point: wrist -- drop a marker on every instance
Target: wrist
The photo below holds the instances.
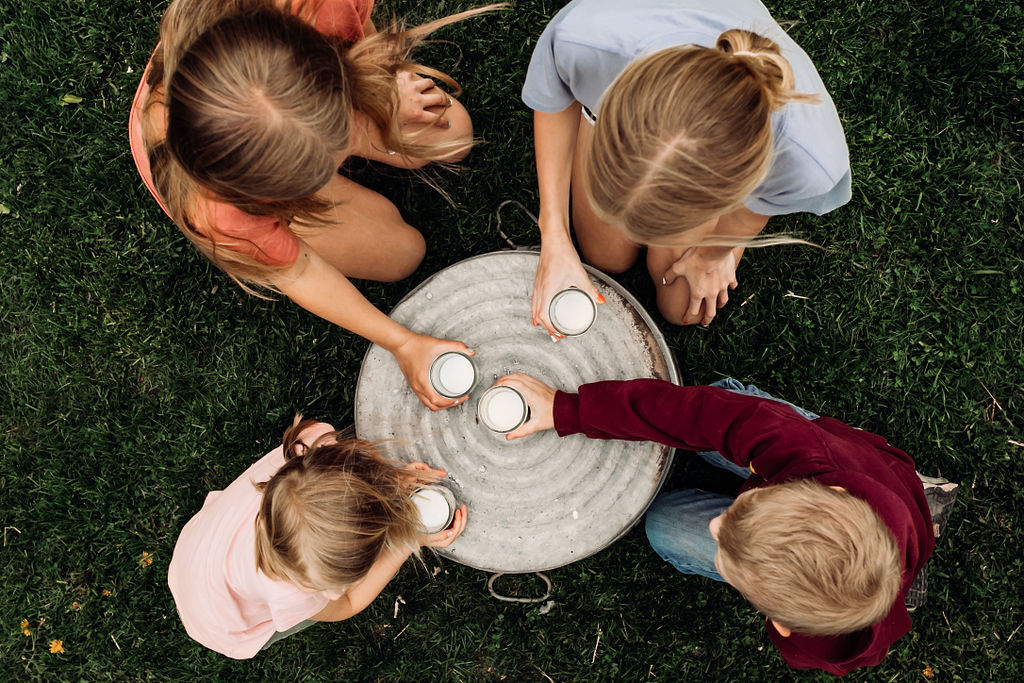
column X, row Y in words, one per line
column 553, row 226
column 395, row 339
column 713, row 254
column 557, row 243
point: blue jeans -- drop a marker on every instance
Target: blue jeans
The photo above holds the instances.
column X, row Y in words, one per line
column 677, row 521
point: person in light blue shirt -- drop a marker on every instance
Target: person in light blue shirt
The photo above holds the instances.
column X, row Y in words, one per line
column 680, row 125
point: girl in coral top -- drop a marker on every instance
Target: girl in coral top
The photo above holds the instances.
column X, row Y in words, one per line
column 243, row 116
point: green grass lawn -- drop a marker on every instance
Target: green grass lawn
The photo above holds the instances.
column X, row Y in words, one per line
column 136, row 377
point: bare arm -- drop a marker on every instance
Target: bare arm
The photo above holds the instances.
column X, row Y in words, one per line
column 554, row 142
column 363, row 592
column 322, row 290
column 360, row 594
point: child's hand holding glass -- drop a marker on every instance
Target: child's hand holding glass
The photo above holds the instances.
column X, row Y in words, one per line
column 539, row 397
column 444, row 538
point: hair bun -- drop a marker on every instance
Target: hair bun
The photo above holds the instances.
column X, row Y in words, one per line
column 764, row 59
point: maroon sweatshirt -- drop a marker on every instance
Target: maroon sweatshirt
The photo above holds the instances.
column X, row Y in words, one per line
column 778, row 445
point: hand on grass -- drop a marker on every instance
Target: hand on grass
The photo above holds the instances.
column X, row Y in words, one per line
column 414, row 357
column 710, row 280
column 539, row 397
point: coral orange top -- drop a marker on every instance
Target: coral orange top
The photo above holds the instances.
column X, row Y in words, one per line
column 265, row 238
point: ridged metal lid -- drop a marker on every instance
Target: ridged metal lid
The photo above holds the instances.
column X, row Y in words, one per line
column 540, row 502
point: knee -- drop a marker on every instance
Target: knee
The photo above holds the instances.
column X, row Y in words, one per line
column 675, row 311
column 407, row 258
column 610, row 264
column 605, row 259
column 673, row 314
column 674, row 302
column 664, row 540
column 661, row 524
column 406, row 246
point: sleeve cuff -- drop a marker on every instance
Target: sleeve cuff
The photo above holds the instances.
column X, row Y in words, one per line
column 566, row 413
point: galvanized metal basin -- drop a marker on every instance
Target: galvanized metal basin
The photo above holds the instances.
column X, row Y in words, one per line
column 540, row 502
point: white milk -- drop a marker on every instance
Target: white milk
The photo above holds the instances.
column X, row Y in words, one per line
column 572, row 312
column 452, row 374
column 502, row 409
column 456, row 374
column 434, row 509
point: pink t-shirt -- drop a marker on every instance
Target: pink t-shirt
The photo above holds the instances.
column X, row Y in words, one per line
column 223, row 600
column 264, row 238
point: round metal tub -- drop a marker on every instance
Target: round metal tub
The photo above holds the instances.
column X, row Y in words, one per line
column 542, row 501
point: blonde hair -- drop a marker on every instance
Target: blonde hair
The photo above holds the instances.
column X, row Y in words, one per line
column 815, row 559
column 684, row 135
column 259, row 110
column 332, row 509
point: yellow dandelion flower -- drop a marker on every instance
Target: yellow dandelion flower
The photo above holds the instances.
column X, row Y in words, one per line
column 145, row 560
column 106, row 593
column 26, row 631
column 56, row 647
column 928, row 672
column 24, row 623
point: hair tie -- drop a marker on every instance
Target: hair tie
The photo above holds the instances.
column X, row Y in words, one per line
column 296, row 451
column 748, row 53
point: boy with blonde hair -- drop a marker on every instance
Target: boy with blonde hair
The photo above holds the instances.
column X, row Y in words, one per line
column 829, row 530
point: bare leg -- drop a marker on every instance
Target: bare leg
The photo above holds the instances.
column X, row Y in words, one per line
column 674, row 299
column 603, row 246
column 367, row 239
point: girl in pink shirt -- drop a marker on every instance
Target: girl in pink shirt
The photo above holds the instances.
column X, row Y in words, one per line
column 245, row 112
column 283, row 545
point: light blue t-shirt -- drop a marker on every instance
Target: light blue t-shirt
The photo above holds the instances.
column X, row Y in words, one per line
column 589, row 42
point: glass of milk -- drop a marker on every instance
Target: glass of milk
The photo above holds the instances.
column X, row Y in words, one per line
column 437, row 505
column 502, row 409
column 572, row 312
column 452, row 374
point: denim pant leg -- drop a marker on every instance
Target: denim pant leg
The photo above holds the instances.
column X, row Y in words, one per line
column 677, row 521
column 677, row 529
column 736, row 386
column 714, row 457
